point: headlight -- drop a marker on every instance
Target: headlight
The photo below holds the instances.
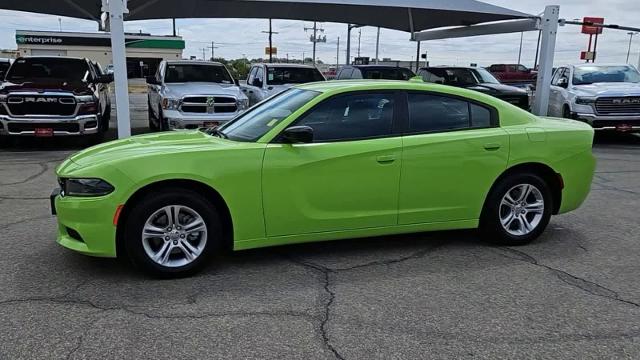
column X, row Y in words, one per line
column 170, row 104
column 85, row 187
column 585, row 100
column 3, row 98
column 85, row 99
column 243, row 104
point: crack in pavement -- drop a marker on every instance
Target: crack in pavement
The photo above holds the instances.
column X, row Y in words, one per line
column 42, row 217
column 587, row 286
column 326, row 272
column 43, row 169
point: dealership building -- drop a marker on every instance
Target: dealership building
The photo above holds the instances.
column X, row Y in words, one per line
column 144, row 51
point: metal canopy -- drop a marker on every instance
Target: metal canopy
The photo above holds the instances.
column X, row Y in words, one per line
column 391, row 14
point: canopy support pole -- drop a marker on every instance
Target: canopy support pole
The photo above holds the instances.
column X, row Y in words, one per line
column 117, row 9
column 547, row 49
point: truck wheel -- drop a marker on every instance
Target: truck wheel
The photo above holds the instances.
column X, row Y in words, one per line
column 566, row 112
column 172, row 233
column 162, row 122
column 152, row 118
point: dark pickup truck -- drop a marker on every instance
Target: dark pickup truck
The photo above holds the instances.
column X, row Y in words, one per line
column 54, row 96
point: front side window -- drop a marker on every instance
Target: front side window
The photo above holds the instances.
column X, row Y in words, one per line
column 387, row 74
column 255, row 123
column 584, row 75
column 179, row 73
column 435, row 113
column 351, row 117
column 292, row 75
column 49, row 68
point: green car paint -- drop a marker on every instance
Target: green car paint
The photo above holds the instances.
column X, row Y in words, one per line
column 280, row 194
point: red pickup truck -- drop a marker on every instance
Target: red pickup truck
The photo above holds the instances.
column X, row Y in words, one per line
column 513, row 73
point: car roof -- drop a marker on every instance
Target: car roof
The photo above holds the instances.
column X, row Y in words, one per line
column 596, row 64
column 287, row 65
column 379, row 66
column 193, row 62
column 51, row 57
column 450, row 67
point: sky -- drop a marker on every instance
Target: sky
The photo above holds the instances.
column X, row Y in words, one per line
column 235, row 38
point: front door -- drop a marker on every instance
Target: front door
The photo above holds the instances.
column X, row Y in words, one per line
column 452, row 154
column 347, row 179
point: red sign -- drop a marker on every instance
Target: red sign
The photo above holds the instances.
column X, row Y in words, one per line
column 592, row 30
column 587, row 55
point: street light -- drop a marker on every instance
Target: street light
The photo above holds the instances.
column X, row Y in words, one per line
column 631, row 34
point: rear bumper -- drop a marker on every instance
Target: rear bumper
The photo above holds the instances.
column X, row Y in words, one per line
column 601, row 122
column 72, row 126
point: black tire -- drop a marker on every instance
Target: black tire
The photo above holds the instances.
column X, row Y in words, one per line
column 153, row 124
column 566, row 112
column 143, row 210
column 162, row 122
column 491, row 227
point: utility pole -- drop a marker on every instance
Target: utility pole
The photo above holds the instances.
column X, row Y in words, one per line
column 203, row 50
column 315, row 39
column 338, row 54
column 631, row 34
column 535, row 62
column 359, row 37
column 213, row 47
column 349, row 28
column 270, row 32
column 174, row 26
column 377, row 44
column 520, row 51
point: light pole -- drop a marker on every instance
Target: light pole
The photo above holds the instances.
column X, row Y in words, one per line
column 631, row 34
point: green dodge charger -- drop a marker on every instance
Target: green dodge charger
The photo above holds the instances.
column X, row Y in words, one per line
column 325, row 161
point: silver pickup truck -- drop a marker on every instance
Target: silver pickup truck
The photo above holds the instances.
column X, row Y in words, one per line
column 192, row 94
column 266, row 80
column 605, row 96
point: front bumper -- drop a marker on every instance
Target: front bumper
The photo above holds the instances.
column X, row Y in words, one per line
column 602, row 122
column 68, row 126
column 179, row 120
column 86, row 225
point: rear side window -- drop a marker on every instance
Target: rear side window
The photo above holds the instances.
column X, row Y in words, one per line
column 435, row 113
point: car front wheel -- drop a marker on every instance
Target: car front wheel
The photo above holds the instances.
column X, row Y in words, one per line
column 517, row 211
column 172, row 234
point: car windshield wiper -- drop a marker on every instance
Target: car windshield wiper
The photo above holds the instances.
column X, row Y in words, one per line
column 215, row 132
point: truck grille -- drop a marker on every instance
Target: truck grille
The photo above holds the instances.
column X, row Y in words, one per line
column 22, row 105
column 208, row 105
column 618, row 105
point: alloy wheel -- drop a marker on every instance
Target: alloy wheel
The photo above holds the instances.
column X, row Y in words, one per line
column 521, row 209
column 174, row 236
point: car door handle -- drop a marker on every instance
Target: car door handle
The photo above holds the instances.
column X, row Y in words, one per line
column 386, row 159
column 492, row 146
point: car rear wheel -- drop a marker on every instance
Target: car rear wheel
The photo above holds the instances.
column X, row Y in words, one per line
column 172, row 234
column 517, row 210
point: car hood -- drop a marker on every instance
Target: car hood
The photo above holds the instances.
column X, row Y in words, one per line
column 42, row 85
column 179, row 90
column 148, row 145
column 608, row 89
column 495, row 89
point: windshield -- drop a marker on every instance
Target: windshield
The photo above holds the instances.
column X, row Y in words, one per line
column 584, row 75
column 459, row 76
column 180, row 73
column 292, row 75
column 387, row 73
column 256, row 122
column 49, row 68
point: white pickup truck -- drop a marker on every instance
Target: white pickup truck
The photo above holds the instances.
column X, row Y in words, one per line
column 266, row 80
column 605, row 96
column 192, row 94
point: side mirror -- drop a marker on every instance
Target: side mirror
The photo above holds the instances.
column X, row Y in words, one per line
column 563, row 83
column 151, row 80
column 257, row 82
column 298, row 135
column 236, row 81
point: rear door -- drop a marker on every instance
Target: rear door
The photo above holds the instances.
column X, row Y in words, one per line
column 347, row 179
column 453, row 151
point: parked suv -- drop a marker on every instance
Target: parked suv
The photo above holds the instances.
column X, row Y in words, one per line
column 54, row 96
column 477, row 79
column 513, row 73
column 266, row 80
column 605, row 96
column 188, row 94
column 384, row 72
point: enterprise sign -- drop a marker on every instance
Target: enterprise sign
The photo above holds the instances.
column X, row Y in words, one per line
column 97, row 41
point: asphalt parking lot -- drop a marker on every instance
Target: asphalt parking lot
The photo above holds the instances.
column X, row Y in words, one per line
column 574, row 293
